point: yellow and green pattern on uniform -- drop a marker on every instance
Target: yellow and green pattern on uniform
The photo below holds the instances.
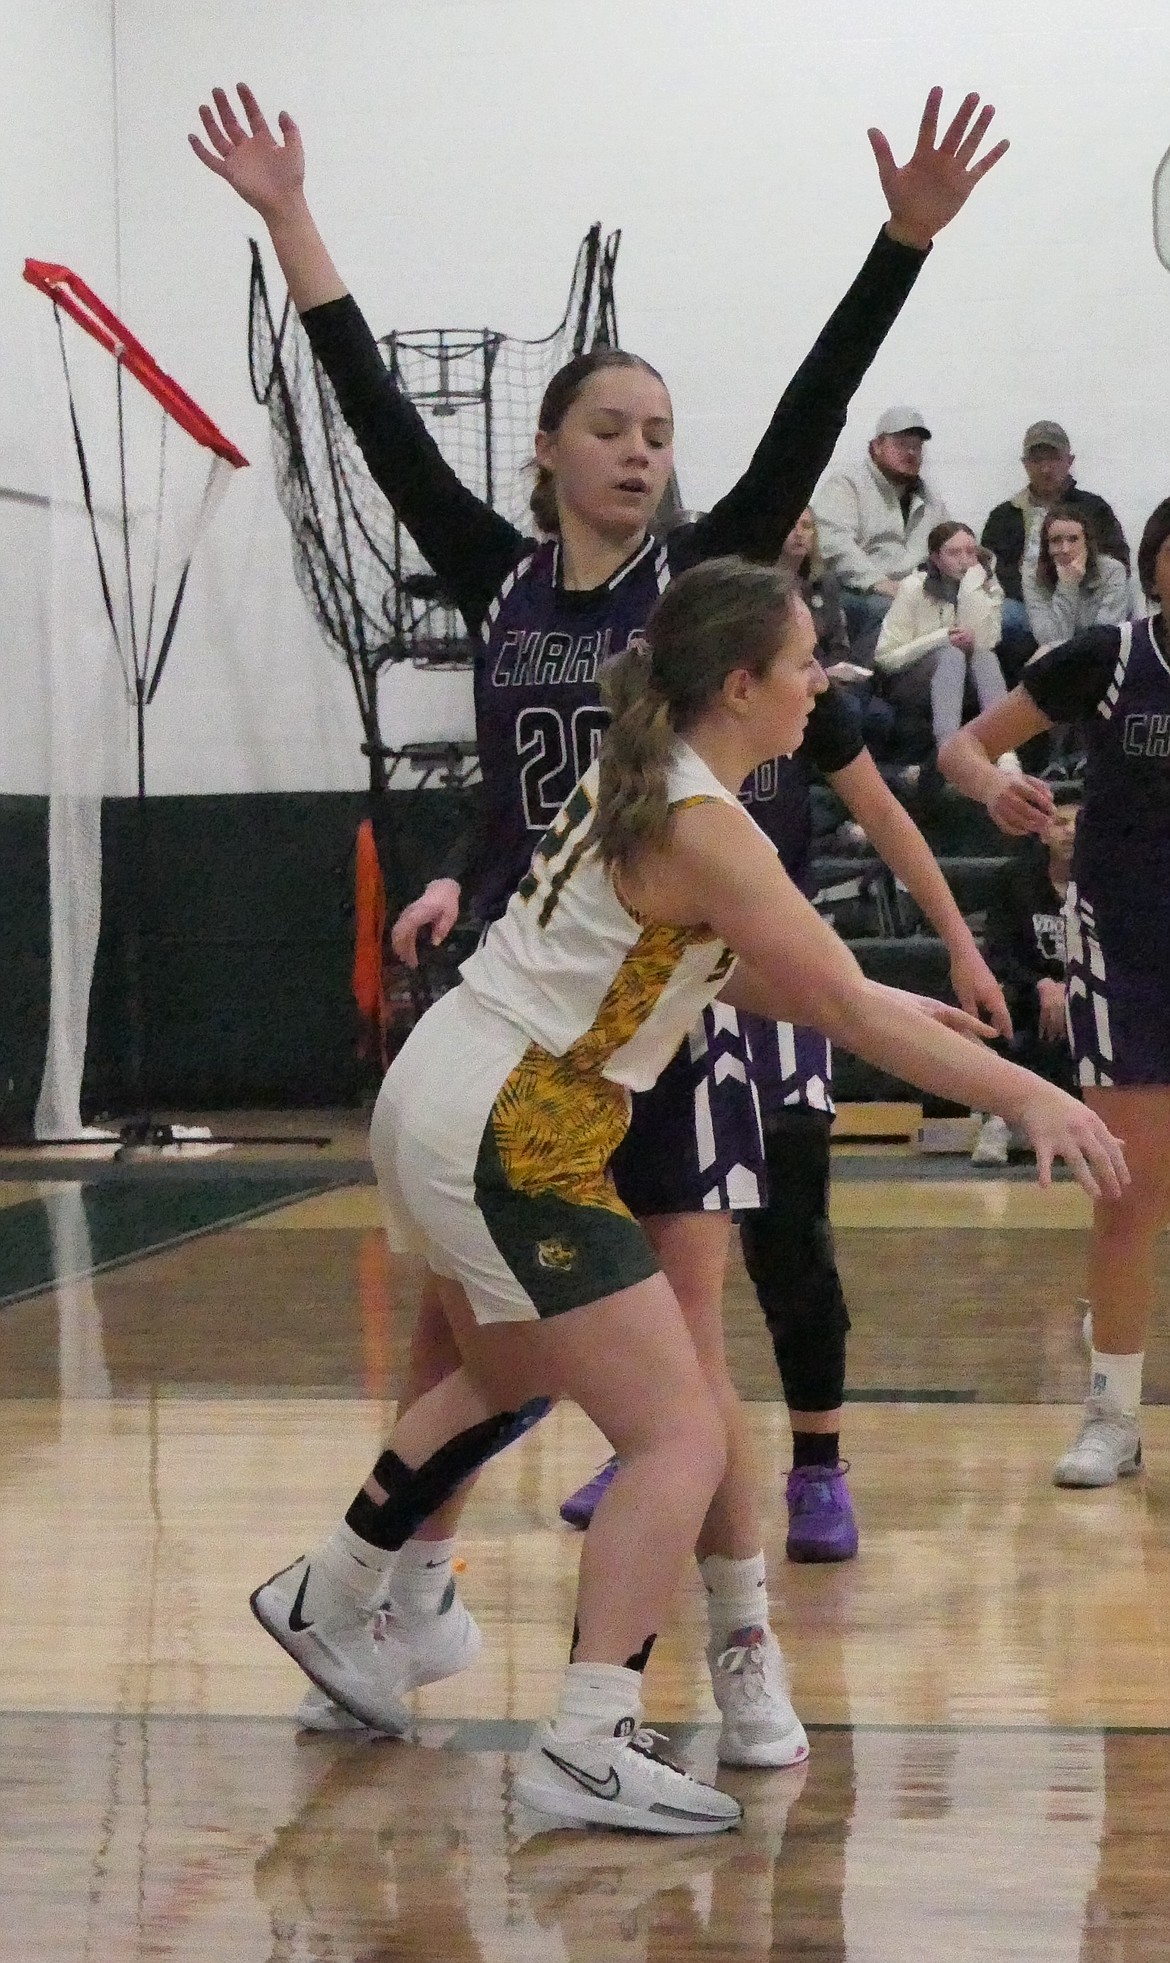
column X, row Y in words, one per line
column 542, row 1179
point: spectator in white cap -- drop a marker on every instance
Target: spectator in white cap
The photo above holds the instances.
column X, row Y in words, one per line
column 875, row 520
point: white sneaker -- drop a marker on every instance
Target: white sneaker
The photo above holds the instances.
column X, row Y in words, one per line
column 335, row 1647
column 436, row 1646
column 1109, row 1448
column 750, row 1683
column 619, row 1781
column 991, row 1146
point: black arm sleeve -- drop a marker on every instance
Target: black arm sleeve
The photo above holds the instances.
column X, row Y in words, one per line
column 833, row 733
column 759, row 511
column 1068, row 681
column 470, row 546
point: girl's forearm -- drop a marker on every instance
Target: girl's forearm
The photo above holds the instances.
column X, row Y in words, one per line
column 875, row 1024
column 311, row 275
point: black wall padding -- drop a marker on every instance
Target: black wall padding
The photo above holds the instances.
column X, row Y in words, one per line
column 247, row 945
column 247, row 948
column 24, row 958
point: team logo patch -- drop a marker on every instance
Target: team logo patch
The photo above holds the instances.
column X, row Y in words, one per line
column 559, row 1256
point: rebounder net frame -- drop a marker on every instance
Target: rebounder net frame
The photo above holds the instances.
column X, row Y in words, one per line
column 141, row 627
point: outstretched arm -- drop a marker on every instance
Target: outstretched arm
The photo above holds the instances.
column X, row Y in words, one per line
column 923, row 196
column 468, row 544
column 719, row 869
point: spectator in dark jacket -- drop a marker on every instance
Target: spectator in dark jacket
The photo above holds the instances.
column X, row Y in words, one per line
column 1014, row 526
column 1012, row 531
column 1025, row 950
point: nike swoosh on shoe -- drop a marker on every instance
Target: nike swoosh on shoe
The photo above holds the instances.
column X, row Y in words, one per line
column 607, row 1788
column 296, row 1621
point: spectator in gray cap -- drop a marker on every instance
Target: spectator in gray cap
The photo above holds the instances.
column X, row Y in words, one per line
column 874, row 522
column 1012, row 531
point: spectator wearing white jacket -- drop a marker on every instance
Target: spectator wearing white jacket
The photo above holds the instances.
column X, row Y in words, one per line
column 1073, row 586
column 943, row 624
column 875, row 520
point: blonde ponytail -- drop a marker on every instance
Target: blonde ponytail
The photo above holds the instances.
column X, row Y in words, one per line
column 632, row 803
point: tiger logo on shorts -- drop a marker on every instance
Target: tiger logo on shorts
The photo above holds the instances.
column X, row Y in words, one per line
column 559, row 1255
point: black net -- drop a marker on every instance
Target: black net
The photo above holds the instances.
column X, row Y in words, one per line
column 374, row 596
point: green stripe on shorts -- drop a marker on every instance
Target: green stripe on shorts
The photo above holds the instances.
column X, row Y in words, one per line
column 563, row 1254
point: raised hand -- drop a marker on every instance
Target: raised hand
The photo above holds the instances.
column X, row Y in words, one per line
column 925, row 193
column 268, row 174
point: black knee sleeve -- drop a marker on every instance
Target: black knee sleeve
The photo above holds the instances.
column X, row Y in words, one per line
column 789, row 1254
column 413, row 1493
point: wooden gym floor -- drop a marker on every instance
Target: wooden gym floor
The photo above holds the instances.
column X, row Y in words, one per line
column 196, row 1364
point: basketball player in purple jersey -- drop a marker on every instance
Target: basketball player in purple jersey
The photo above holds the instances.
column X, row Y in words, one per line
column 546, row 613
column 788, row 1242
column 1115, row 682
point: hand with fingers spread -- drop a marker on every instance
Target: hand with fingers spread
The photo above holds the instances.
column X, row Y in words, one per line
column 929, row 190
column 1019, row 805
column 268, row 174
column 1058, row 1127
column 435, row 911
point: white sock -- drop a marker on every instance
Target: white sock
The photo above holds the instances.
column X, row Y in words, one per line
column 421, row 1576
column 595, row 1697
column 737, row 1594
column 349, row 1567
column 1116, row 1381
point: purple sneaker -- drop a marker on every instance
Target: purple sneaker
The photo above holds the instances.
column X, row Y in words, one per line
column 579, row 1508
column 821, row 1526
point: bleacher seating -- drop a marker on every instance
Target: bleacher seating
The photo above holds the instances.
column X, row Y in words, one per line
column 883, row 925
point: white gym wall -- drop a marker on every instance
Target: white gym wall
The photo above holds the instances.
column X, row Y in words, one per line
column 457, row 151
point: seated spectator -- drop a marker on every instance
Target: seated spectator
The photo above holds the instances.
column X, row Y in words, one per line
column 1012, row 531
column 874, row 523
column 1026, row 951
column 942, row 626
column 1073, row 586
column 801, row 550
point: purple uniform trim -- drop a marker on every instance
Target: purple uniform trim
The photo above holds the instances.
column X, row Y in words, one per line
column 1117, row 910
column 694, row 1143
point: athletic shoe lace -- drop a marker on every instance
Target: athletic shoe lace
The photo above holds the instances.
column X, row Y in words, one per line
column 818, row 1485
column 642, row 1739
column 383, row 1623
column 1104, row 1432
column 749, row 1663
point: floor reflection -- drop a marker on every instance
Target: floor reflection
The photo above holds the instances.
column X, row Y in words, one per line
column 191, row 1839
